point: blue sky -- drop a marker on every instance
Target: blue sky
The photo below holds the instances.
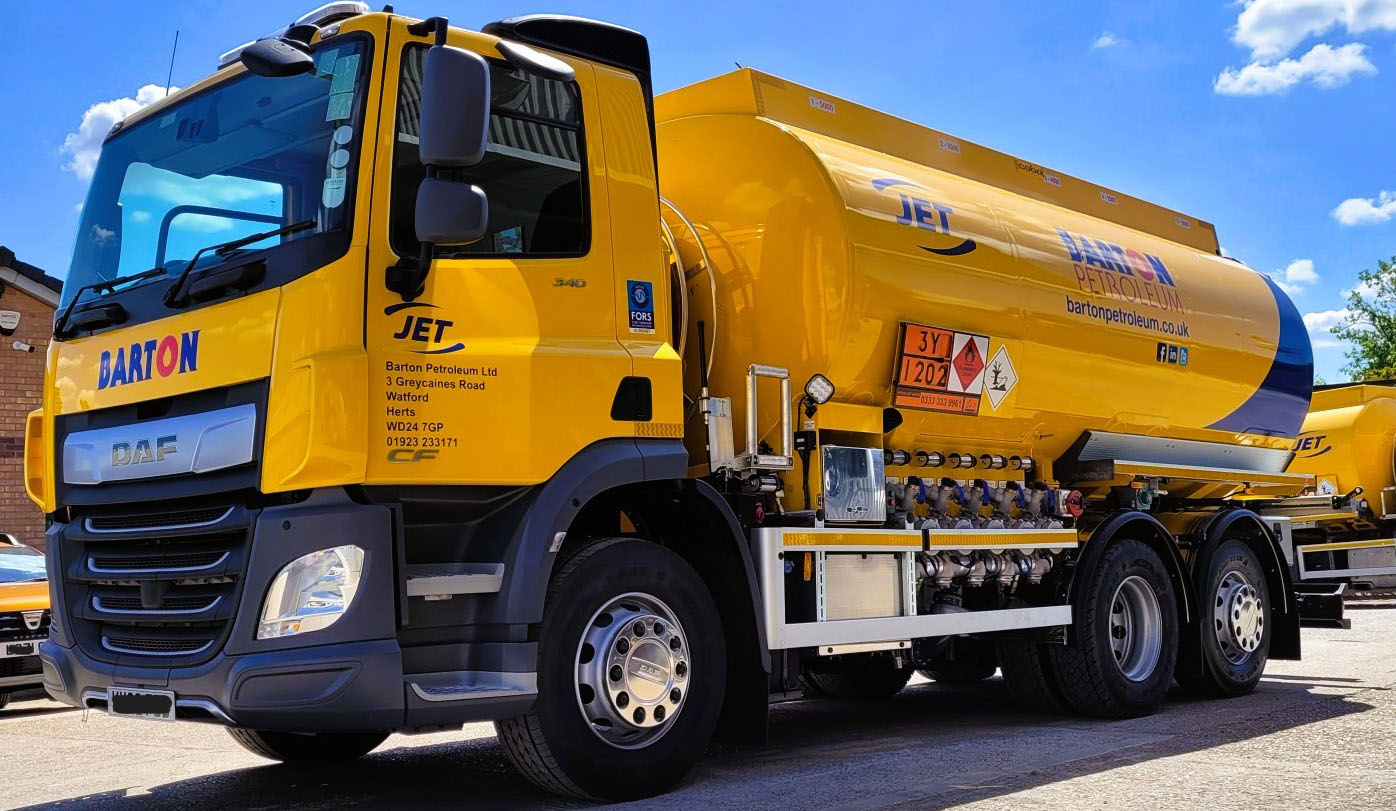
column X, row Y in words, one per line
column 1270, row 118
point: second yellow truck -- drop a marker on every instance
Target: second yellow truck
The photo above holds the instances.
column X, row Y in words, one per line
column 409, row 376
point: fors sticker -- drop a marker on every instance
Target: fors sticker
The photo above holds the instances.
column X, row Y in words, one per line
column 640, row 297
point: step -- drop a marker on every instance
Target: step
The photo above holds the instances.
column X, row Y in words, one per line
column 439, row 581
column 463, row 685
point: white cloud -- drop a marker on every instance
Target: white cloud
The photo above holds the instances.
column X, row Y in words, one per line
column 1320, row 326
column 1323, row 65
column 82, row 146
column 1273, row 28
column 140, row 216
column 1296, row 275
column 1105, row 40
column 1366, row 210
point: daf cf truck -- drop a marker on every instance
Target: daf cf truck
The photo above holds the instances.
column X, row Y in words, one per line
column 408, row 376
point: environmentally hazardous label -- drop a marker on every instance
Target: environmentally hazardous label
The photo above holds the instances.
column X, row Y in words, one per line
column 1000, row 377
column 640, row 297
column 940, row 370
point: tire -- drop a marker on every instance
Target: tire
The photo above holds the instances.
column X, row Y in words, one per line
column 1028, row 675
column 970, row 660
column 4, row 699
column 619, row 747
column 1234, row 616
column 871, row 683
column 1119, row 662
column 308, row 749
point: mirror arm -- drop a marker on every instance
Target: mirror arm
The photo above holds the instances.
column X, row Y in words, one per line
column 431, row 25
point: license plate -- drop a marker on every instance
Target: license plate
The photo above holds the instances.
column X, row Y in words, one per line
column 21, row 649
column 129, row 703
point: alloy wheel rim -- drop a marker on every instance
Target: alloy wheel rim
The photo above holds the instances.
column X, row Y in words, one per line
column 632, row 670
column 1136, row 628
column 1238, row 617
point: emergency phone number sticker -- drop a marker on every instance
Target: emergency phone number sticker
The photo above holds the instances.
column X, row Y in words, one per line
column 940, row 370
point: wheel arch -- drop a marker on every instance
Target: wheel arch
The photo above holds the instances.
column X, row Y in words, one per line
column 1140, row 526
column 692, row 519
column 647, row 481
column 1246, row 526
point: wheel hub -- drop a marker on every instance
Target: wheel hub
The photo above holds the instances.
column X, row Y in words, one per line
column 1238, row 617
column 632, row 671
column 1136, row 628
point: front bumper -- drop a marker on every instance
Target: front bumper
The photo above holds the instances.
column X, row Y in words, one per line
column 350, row 676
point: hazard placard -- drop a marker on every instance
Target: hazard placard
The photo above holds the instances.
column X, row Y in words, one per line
column 940, row 369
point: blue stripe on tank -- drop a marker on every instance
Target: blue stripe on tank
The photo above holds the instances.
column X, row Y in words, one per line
column 1278, row 406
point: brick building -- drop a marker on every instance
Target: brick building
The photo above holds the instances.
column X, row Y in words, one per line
column 33, row 294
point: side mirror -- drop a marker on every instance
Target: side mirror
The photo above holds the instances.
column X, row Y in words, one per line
column 450, row 213
column 455, row 117
column 453, row 131
column 276, row 57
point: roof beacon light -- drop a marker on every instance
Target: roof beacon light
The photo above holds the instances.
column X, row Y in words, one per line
column 328, row 13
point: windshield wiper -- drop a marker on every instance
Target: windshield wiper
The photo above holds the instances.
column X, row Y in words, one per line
column 175, row 295
column 108, row 314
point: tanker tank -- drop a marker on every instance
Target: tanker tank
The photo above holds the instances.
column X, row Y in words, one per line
column 1001, row 307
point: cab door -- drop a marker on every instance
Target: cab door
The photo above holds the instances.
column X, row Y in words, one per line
column 509, row 362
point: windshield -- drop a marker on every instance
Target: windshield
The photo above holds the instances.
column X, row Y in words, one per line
column 245, row 157
column 20, row 564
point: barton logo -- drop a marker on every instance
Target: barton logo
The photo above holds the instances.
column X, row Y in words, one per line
column 158, row 357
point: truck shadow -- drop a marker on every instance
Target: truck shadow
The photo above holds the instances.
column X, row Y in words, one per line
column 933, row 745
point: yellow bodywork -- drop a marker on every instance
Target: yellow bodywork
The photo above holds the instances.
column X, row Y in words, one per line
column 1349, row 441
column 23, row 596
column 801, row 200
column 541, row 361
column 789, row 190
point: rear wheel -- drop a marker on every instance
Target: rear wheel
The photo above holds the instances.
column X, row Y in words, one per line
column 4, row 699
column 1235, row 637
column 1027, row 672
column 1119, row 663
column 308, row 749
column 877, row 680
column 631, row 673
column 968, row 660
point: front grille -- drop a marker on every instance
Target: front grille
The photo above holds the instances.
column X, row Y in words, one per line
column 155, row 645
column 14, row 628
column 170, row 559
column 173, row 519
column 110, row 604
column 164, row 588
column 20, row 666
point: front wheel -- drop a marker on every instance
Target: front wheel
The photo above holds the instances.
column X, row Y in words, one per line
column 631, row 674
column 308, row 749
column 1235, row 636
column 1119, row 663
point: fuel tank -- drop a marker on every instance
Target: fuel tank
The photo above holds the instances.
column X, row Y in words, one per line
column 1348, row 440
column 998, row 305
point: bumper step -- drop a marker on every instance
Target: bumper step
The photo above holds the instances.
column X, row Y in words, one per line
column 439, row 581
column 461, row 685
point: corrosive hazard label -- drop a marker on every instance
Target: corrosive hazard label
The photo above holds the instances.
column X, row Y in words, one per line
column 940, row 370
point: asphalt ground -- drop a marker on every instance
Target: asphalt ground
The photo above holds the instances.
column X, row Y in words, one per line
column 1316, row 734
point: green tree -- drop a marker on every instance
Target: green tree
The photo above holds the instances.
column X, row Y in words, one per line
column 1370, row 325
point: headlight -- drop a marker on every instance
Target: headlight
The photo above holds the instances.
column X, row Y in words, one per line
column 311, row 592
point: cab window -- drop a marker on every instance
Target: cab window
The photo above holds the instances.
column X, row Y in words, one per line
column 532, row 171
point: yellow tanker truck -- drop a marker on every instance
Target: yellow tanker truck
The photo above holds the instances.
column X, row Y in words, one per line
column 408, row 376
column 1344, row 527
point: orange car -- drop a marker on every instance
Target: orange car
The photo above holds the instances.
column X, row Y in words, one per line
column 24, row 617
